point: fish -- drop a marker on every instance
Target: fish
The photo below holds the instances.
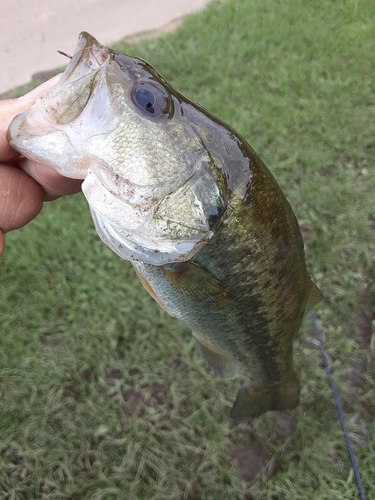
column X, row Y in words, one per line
column 185, row 199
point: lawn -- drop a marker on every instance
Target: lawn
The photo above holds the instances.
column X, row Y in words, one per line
column 103, row 395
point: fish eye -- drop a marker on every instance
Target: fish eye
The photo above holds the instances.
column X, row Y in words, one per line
column 146, row 99
column 151, row 99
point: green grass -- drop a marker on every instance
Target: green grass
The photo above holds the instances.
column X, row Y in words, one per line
column 103, row 396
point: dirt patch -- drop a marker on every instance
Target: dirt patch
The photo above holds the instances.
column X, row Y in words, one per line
column 113, row 374
column 363, row 329
column 354, row 378
column 148, row 396
column 284, row 424
column 252, row 459
column 134, row 397
column 365, row 315
column 361, row 364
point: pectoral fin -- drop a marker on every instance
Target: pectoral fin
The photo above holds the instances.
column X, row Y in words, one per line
column 149, row 288
column 197, row 285
column 222, row 365
column 252, row 401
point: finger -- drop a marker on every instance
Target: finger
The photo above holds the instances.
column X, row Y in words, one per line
column 9, row 108
column 53, row 184
column 21, row 198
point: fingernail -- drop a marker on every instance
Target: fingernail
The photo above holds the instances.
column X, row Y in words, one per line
column 41, row 88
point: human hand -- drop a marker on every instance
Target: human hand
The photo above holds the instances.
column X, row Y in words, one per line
column 25, row 184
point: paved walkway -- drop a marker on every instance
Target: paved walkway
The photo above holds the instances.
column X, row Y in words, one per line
column 32, row 32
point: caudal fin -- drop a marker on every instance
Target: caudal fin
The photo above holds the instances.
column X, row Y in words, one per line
column 253, row 401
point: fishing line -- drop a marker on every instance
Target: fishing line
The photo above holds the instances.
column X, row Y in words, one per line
column 338, row 406
column 64, row 54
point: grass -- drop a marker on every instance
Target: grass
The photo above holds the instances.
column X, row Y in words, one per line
column 103, row 396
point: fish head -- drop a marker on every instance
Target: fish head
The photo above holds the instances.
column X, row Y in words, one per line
column 154, row 190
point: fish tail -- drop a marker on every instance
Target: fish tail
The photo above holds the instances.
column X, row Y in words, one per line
column 252, row 401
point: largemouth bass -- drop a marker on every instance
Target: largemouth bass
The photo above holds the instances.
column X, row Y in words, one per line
column 189, row 203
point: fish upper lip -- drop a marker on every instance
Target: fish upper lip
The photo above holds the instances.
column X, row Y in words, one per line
column 88, row 57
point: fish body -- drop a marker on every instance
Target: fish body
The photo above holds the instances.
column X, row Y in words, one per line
column 189, row 203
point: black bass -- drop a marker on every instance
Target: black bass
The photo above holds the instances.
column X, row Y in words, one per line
column 189, row 203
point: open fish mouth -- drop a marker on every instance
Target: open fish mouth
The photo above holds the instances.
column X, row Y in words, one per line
column 61, row 119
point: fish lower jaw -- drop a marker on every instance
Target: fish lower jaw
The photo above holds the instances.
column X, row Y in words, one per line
column 54, row 149
column 136, row 247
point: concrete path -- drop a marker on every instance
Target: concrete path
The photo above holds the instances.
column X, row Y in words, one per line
column 32, row 31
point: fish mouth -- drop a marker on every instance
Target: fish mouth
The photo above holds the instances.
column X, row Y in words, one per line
column 85, row 71
column 57, row 110
column 62, row 104
column 88, row 57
